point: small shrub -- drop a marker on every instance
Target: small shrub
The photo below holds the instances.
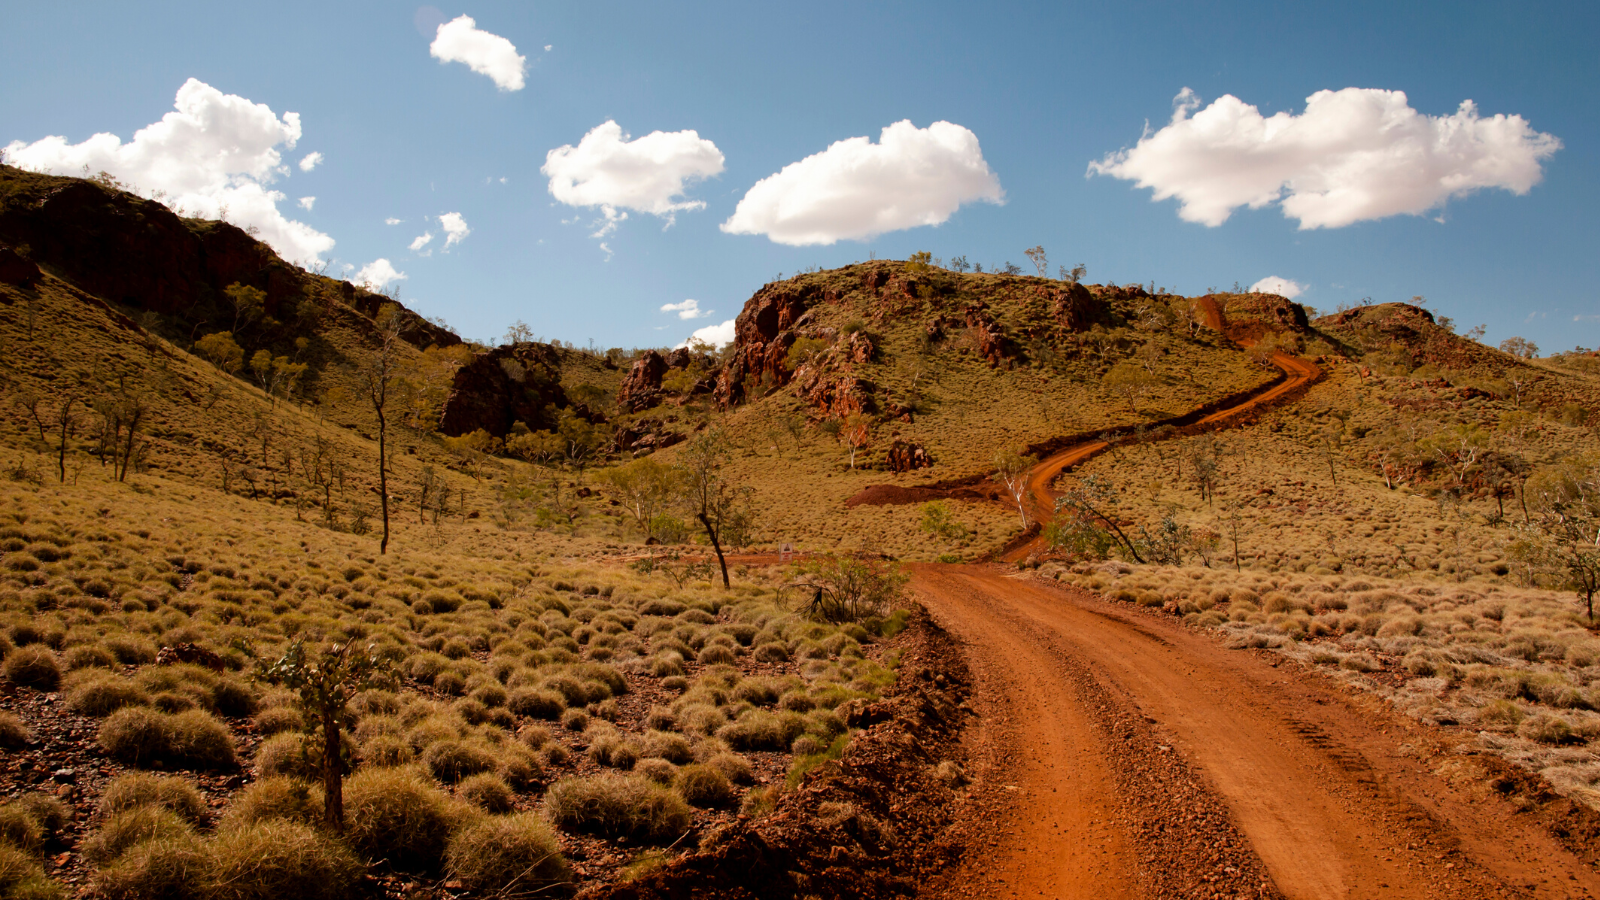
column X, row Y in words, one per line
column 32, row 666
column 395, row 815
column 51, row 814
column 536, row 703
column 575, row 720
column 387, row 750
column 705, row 786
column 276, row 719
column 508, row 856
column 717, row 655
column 100, row 697
column 13, row 734
column 761, row 730
column 614, row 805
column 734, row 767
column 1500, row 712
column 137, row 789
column 130, row 828
column 671, row 747
column 774, row 652
column 487, row 791
column 658, row 770
column 277, row 858
column 142, row 736
column 284, row 754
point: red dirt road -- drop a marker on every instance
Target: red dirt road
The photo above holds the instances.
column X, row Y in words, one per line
column 1132, row 757
column 1042, row 497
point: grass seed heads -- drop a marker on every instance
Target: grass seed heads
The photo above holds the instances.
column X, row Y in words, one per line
column 508, row 856
column 616, row 805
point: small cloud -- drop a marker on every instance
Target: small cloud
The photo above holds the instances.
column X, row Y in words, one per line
column 547, row 47
column 310, row 161
column 688, row 309
column 857, row 190
column 455, row 229
column 648, row 175
column 392, row 221
column 421, row 241
column 378, row 274
column 715, row 335
column 460, row 40
column 1283, row 287
column 307, row 202
column 1583, row 318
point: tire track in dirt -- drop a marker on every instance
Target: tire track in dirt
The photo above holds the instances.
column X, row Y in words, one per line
column 1148, row 761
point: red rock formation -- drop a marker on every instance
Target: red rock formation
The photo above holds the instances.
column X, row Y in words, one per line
column 138, row 253
column 905, row 457
column 993, row 345
column 837, row 397
column 1076, row 309
column 859, row 348
column 487, row 394
column 642, row 388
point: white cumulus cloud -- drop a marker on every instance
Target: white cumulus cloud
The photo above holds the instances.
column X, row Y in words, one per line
column 421, row 240
column 1284, row 287
column 310, row 160
column 648, row 175
column 306, row 203
column 214, row 157
column 1353, row 155
column 455, row 229
column 715, row 335
column 460, row 40
column 856, row 190
column 378, row 274
column 688, row 309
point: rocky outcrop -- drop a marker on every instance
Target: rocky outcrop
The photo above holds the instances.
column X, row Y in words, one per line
column 993, row 344
column 642, row 388
column 763, row 333
column 839, row 396
column 906, row 457
column 1076, row 309
column 504, row 386
column 15, row 269
column 138, row 253
column 643, row 436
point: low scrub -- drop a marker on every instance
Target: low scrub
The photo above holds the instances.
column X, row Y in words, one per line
column 143, row 737
column 398, row 816
column 508, row 856
column 613, row 805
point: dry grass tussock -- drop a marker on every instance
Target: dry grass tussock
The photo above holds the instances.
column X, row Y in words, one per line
column 686, row 688
column 1517, row 665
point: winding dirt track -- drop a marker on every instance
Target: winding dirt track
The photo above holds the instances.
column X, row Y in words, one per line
column 1135, row 758
column 1042, row 498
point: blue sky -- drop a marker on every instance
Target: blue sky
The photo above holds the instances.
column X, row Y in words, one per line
column 1044, row 89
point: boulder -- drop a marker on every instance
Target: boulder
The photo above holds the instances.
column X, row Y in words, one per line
column 906, row 457
column 642, row 388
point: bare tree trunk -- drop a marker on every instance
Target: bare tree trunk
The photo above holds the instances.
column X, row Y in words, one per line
column 715, row 545
column 332, row 773
column 383, row 479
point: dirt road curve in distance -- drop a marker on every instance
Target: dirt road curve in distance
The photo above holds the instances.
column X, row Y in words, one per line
column 1133, row 757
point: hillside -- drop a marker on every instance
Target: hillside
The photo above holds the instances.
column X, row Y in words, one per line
column 1356, row 498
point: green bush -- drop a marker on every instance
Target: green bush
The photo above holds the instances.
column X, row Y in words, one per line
column 32, row 666
column 137, row 789
column 398, row 816
column 508, row 856
column 614, row 805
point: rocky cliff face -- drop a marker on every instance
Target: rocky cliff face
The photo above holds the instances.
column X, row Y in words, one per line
column 504, row 386
column 138, row 253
